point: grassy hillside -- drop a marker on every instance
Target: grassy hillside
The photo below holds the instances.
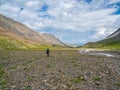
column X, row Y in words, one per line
column 111, row 42
column 112, row 45
column 105, row 44
column 11, row 43
column 20, row 31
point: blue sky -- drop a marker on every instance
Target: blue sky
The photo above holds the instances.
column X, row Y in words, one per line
column 72, row 21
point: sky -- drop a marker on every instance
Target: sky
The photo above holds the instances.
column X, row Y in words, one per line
column 72, row 21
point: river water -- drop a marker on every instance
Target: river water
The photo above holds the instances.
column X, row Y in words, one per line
column 114, row 54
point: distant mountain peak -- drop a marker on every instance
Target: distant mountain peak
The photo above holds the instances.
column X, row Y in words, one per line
column 52, row 39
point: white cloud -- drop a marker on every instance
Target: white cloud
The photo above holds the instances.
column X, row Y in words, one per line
column 9, row 9
column 101, row 32
column 113, row 1
column 34, row 5
column 76, row 16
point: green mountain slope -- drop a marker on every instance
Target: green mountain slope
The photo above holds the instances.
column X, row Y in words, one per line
column 11, row 43
column 15, row 35
column 111, row 42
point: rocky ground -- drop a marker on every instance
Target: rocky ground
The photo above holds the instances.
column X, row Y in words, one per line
column 63, row 70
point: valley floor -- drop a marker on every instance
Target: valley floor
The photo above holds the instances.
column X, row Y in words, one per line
column 63, row 70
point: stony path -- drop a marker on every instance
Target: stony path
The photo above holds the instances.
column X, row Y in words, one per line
column 63, row 70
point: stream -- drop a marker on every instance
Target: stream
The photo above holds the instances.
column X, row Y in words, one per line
column 113, row 54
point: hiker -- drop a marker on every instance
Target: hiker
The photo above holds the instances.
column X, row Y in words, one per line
column 47, row 52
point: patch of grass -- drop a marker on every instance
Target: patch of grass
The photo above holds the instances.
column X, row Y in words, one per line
column 29, row 78
column 81, row 68
column 9, row 43
column 114, row 44
column 29, row 61
column 118, row 84
column 2, row 72
column 42, row 47
column 25, row 68
column 78, row 79
column 69, row 85
column 48, row 65
column 76, row 65
column 3, row 83
column 4, row 57
column 97, row 79
column 96, row 63
column 27, row 87
column 73, row 61
column 13, row 68
column 1, row 65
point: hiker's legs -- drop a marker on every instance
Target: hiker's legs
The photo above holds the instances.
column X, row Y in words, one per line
column 47, row 54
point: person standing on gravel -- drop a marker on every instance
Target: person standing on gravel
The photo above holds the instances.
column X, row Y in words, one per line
column 47, row 52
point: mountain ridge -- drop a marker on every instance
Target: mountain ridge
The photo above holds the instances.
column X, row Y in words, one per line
column 115, row 35
column 21, row 32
